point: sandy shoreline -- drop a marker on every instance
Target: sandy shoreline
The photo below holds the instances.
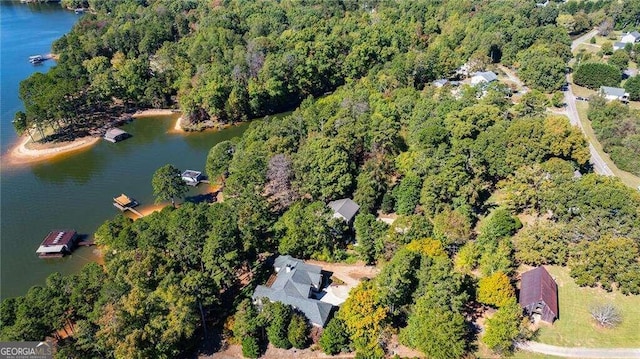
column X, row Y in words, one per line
column 21, row 154
column 177, row 128
column 154, row 112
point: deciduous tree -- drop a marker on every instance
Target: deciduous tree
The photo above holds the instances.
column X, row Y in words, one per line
column 168, row 184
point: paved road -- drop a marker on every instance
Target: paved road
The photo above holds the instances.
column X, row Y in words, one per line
column 584, row 38
column 599, row 166
column 579, row 352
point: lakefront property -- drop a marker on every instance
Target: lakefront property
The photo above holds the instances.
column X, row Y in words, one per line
column 388, row 178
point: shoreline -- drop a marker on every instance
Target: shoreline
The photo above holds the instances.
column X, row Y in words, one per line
column 152, row 112
column 20, row 154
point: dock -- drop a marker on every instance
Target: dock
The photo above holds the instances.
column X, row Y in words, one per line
column 193, row 177
column 38, row 59
column 125, row 203
column 58, row 243
column 115, row 134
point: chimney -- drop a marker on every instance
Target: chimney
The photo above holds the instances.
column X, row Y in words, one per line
column 288, row 268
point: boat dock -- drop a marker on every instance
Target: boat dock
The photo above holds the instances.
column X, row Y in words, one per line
column 124, row 203
column 58, row 243
column 115, row 134
column 38, row 59
column 193, row 178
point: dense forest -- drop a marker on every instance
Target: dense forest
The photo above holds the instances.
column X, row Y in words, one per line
column 236, row 60
column 457, row 167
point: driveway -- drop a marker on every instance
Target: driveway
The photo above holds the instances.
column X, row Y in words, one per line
column 579, row 352
column 350, row 274
column 584, row 38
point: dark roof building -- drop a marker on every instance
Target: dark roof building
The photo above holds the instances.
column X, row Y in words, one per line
column 539, row 294
column 296, row 283
column 57, row 243
column 344, row 208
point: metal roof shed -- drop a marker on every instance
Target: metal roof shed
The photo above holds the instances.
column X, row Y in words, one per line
column 539, row 294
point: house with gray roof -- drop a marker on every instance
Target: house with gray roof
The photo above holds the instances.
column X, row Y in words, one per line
column 614, row 93
column 296, row 284
column 618, row 46
column 483, row 77
column 344, row 208
column 630, row 37
column 440, row 82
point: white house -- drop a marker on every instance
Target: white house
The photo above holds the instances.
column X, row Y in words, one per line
column 630, row 37
column 483, row 77
column 614, row 93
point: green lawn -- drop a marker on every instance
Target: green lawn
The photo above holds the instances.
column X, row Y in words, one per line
column 626, row 177
column 575, row 327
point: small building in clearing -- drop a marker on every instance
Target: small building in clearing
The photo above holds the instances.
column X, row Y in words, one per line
column 614, row 93
column 619, row 46
column 483, row 77
column 57, row 243
column 630, row 37
column 344, row 208
column 115, row 134
column 539, row 294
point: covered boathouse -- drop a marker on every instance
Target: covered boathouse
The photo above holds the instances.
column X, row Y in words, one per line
column 57, row 243
column 539, row 295
column 124, row 202
column 115, row 134
column 191, row 177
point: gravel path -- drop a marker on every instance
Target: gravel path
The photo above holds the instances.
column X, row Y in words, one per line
column 579, row 352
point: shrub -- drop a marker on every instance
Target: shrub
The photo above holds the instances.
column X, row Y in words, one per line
column 606, row 315
column 250, row 347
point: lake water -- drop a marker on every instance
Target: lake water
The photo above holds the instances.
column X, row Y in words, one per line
column 74, row 191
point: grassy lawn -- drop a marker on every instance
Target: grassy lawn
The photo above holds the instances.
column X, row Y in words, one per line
column 581, row 91
column 626, row 177
column 587, row 47
column 575, row 327
column 602, row 39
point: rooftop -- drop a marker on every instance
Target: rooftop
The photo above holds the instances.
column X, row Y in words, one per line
column 59, row 237
column 123, row 200
column 613, row 91
column 634, row 34
column 537, row 285
column 293, row 285
column 114, row 132
column 57, row 241
column 191, row 174
column 487, row 75
column 345, row 208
